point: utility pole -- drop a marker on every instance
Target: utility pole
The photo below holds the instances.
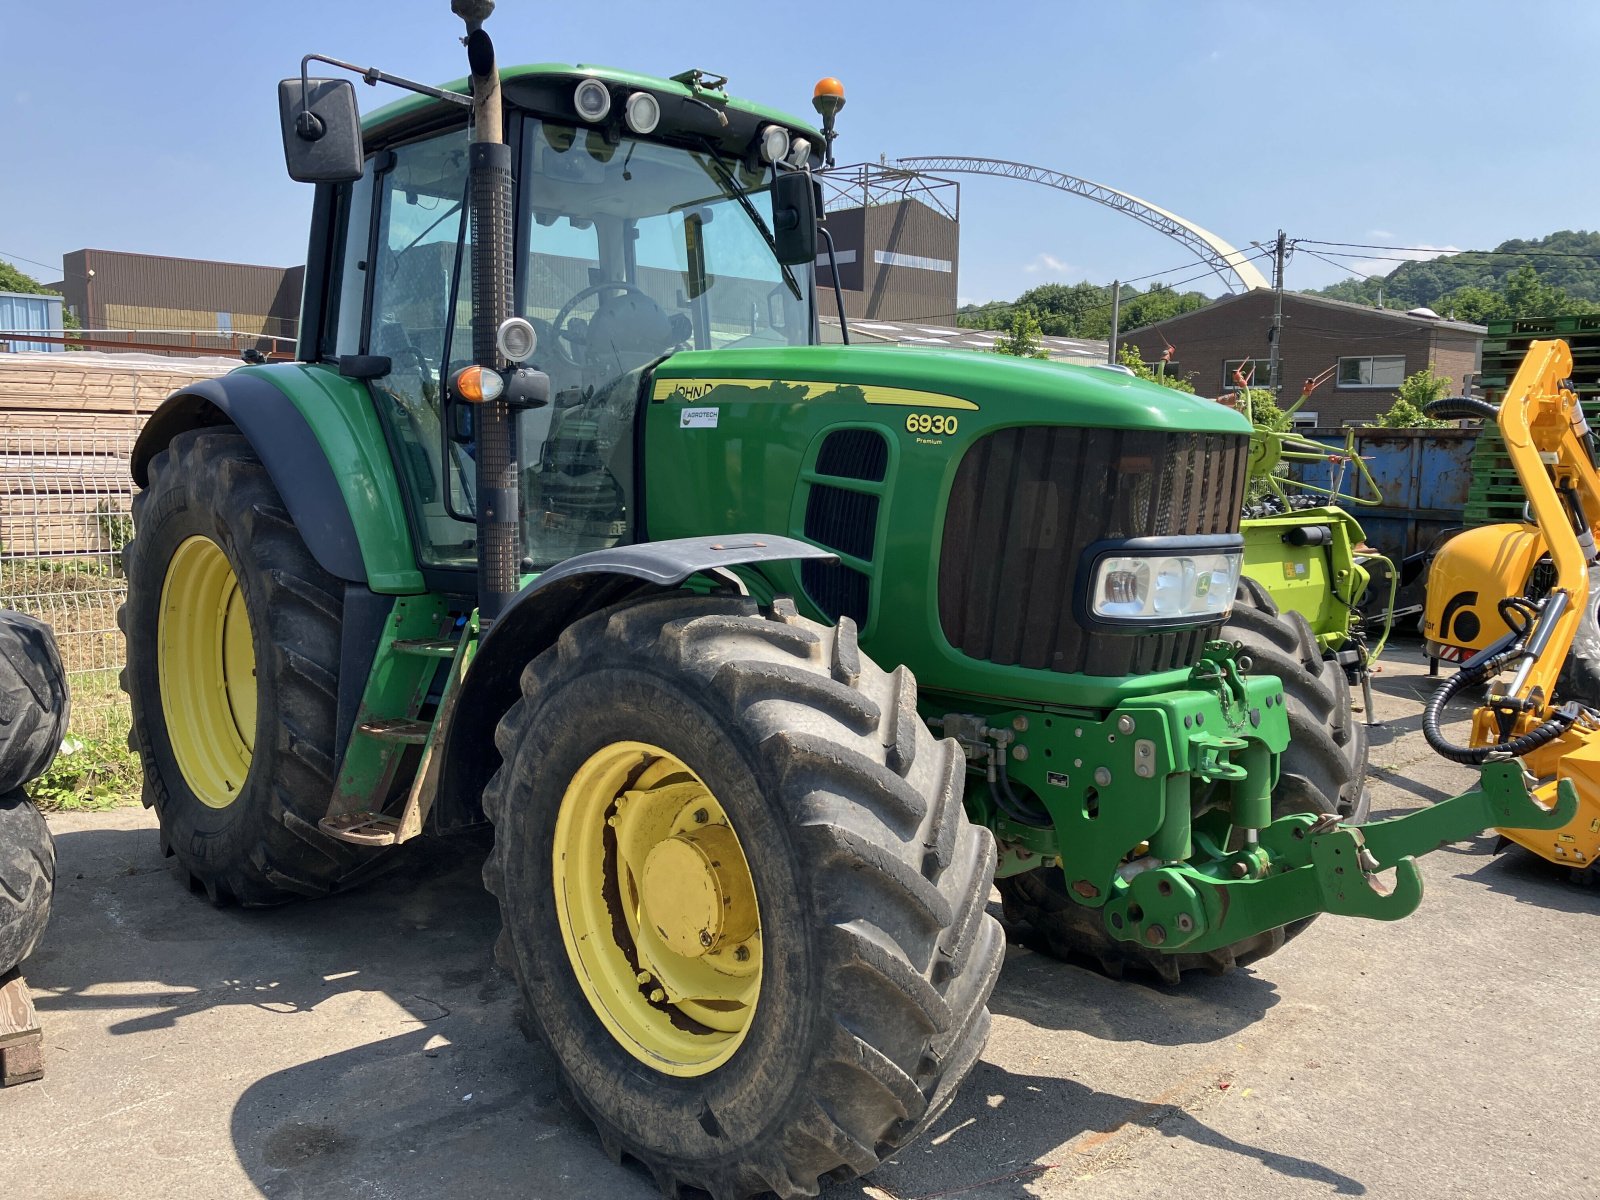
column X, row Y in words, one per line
column 1277, row 314
column 1116, row 312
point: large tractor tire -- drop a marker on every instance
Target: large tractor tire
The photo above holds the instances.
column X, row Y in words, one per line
column 34, row 703
column 27, row 877
column 1323, row 771
column 741, row 898
column 233, row 635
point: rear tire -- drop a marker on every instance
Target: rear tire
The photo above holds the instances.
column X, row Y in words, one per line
column 875, row 954
column 245, row 830
column 27, row 877
column 1323, row 771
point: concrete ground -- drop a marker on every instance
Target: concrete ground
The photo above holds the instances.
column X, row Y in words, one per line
column 366, row 1046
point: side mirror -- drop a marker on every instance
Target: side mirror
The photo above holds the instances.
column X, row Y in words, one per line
column 322, row 135
column 794, row 218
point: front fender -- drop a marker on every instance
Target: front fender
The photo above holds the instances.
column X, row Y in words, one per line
column 534, row 619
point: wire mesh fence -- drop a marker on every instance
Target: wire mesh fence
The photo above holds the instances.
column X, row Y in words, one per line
column 67, row 428
column 65, row 501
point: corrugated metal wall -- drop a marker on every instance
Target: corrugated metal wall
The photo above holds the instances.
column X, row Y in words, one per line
column 111, row 289
column 897, row 262
column 21, row 311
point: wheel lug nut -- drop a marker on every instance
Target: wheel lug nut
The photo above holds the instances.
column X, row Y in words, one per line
column 657, row 996
column 701, row 816
column 642, row 977
column 742, row 954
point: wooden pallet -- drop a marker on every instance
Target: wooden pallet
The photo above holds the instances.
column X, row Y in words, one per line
column 21, row 1040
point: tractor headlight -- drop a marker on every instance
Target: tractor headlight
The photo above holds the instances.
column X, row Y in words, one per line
column 1153, row 582
column 592, row 99
column 774, row 143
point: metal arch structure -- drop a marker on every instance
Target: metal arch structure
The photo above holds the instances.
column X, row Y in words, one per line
column 1230, row 263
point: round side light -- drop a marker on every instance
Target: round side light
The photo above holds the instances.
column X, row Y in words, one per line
column 516, row 339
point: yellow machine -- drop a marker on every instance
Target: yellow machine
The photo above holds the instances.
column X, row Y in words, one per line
column 1539, row 715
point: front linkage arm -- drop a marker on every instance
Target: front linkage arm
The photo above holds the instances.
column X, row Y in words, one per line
column 1301, row 867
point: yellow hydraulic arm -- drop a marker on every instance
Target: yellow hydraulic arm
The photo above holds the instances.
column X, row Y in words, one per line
column 1547, row 439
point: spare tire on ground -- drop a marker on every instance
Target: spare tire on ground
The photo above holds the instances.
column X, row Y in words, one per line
column 27, row 877
column 34, row 705
column 33, row 720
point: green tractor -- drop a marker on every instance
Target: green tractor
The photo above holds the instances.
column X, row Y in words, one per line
column 562, row 519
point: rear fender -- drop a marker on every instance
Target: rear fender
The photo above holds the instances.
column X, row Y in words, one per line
column 319, row 439
column 534, row 619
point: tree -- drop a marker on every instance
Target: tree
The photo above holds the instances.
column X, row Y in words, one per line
column 1478, row 305
column 1416, row 392
column 1128, row 356
column 1022, row 339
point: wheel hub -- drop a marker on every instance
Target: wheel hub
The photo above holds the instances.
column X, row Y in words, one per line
column 693, row 894
column 657, row 908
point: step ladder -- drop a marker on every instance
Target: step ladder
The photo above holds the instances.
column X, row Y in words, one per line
column 388, row 724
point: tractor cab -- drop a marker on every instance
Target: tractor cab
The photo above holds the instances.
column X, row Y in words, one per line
column 636, row 232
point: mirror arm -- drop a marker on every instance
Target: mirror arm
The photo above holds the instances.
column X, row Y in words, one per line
column 309, row 127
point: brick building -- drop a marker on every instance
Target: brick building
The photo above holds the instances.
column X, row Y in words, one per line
column 1372, row 350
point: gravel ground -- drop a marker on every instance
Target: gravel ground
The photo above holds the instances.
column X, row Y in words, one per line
column 367, row 1047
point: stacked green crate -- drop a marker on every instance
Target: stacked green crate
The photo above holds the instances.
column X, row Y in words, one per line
column 1495, row 494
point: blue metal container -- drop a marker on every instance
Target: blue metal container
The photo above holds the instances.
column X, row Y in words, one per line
column 1422, row 477
column 19, row 310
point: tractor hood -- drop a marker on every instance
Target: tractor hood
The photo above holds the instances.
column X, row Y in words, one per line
column 1012, row 390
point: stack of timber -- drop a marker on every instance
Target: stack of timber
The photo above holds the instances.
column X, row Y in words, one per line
column 67, row 426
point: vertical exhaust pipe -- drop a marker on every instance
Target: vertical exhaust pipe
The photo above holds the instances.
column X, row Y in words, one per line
column 498, row 506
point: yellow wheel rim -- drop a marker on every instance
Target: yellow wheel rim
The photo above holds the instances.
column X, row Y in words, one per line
column 657, row 908
column 206, row 662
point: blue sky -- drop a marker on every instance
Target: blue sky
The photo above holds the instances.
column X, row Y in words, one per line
column 153, row 127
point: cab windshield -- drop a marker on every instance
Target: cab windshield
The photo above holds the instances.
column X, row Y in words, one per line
column 631, row 250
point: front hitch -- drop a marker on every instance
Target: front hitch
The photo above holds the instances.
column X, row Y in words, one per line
column 1303, row 866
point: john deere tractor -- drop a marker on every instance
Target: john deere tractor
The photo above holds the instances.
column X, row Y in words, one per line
column 564, row 519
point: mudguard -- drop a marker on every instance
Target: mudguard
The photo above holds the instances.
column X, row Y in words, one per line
column 534, row 619
column 287, row 447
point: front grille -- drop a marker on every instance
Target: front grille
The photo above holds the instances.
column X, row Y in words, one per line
column 1025, row 505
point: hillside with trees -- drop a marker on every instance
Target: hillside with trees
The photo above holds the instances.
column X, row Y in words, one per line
column 1546, row 276
column 1083, row 310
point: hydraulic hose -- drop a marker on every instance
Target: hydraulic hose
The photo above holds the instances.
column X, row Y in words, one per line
column 1461, row 408
column 1013, row 805
column 1476, row 672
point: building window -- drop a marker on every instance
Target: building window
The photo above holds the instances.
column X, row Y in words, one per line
column 1388, row 371
column 888, row 258
column 1257, row 372
column 1303, row 420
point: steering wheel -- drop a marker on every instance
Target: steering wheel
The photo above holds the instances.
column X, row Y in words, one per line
column 560, row 322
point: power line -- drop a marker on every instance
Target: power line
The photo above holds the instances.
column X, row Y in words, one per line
column 1345, row 266
column 1441, row 251
column 1004, row 306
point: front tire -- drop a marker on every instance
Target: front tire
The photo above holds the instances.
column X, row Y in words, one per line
column 1322, row 771
column 233, row 635
column 859, row 1004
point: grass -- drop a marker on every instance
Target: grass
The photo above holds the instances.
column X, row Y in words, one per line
column 95, row 770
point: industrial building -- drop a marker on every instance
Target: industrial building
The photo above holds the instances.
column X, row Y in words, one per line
column 150, row 301
column 896, row 236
